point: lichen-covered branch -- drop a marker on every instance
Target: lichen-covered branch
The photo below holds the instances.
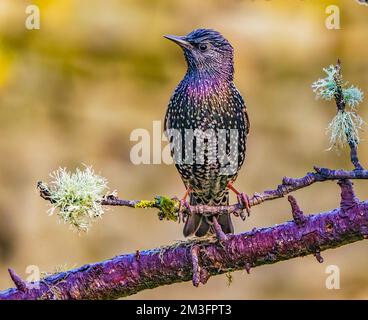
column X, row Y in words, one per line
column 340, row 100
column 198, row 259
column 169, row 208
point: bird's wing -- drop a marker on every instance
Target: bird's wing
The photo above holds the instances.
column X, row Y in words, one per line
column 246, row 117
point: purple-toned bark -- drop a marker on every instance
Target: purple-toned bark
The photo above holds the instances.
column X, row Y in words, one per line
column 287, row 186
column 198, row 260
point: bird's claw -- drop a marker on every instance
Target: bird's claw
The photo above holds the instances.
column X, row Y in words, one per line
column 243, row 200
column 183, row 207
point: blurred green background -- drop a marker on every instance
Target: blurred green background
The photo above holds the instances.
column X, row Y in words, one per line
column 73, row 91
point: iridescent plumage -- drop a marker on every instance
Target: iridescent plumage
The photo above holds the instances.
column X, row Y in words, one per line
column 207, row 99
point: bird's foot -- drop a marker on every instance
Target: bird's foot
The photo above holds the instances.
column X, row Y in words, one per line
column 183, row 210
column 243, row 200
column 183, row 205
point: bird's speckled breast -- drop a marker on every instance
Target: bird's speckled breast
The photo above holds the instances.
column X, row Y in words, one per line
column 204, row 104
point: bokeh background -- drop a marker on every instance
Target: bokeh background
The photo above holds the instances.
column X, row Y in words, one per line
column 73, row 91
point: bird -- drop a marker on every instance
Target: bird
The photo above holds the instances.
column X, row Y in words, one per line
column 207, row 101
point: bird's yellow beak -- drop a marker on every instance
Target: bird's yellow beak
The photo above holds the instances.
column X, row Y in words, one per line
column 179, row 40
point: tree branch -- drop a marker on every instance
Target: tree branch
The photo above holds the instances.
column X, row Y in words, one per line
column 287, row 186
column 198, row 259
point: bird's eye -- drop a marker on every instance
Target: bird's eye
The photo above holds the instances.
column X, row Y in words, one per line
column 202, row 47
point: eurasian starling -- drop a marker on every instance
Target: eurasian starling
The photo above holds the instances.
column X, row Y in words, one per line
column 207, row 101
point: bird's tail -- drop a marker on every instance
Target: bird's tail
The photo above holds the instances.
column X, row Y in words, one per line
column 201, row 225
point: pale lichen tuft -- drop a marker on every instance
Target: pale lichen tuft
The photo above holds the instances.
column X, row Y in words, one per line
column 353, row 96
column 344, row 129
column 326, row 88
column 76, row 197
column 345, row 126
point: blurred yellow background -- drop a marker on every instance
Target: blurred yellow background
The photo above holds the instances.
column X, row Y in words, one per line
column 73, row 91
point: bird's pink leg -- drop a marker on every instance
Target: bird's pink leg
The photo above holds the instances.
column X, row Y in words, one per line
column 184, row 203
column 243, row 198
column 187, row 192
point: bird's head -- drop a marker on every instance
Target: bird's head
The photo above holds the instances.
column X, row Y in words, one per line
column 207, row 52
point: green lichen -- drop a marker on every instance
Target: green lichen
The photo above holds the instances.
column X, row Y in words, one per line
column 326, row 88
column 168, row 207
column 345, row 126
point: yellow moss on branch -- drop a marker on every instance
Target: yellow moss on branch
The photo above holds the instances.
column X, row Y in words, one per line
column 168, row 208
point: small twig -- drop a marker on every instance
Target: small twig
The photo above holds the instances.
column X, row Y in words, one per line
column 354, row 156
column 298, row 214
column 112, row 200
column 18, row 281
column 318, row 256
column 247, row 267
column 44, row 191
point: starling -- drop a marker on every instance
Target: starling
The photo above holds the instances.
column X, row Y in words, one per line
column 206, row 100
